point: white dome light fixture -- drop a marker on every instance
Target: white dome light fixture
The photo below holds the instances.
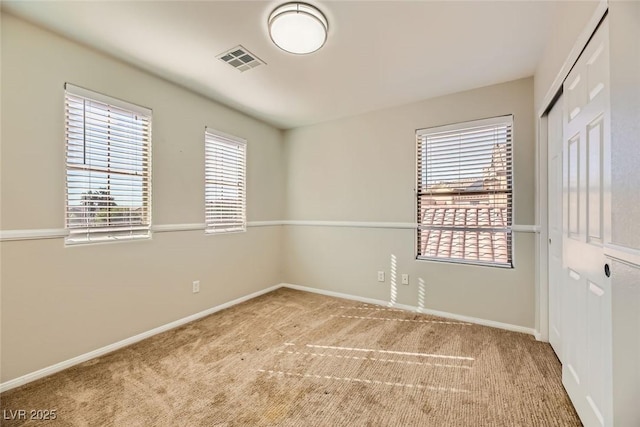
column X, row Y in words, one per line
column 298, row 28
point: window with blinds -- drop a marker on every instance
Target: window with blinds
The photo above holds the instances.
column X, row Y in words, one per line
column 108, row 155
column 464, row 195
column 225, row 182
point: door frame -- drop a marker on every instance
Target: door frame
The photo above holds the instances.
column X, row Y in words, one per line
column 541, row 193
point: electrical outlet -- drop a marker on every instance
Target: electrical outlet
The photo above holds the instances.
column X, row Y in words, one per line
column 405, row 279
column 380, row 276
column 196, row 286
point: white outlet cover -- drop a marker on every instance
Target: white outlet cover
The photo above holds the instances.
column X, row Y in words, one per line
column 405, row 279
column 380, row 276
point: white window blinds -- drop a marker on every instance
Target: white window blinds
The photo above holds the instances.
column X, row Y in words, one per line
column 108, row 155
column 225, row 182
column 464, row 195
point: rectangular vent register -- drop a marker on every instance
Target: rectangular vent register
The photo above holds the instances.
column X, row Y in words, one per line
column 240, row 58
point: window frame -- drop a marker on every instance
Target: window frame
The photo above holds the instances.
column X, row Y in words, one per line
column 211, row 226
column 505, row 120
column 84, row 235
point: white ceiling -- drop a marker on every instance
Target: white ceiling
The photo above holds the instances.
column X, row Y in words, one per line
column 378, row 54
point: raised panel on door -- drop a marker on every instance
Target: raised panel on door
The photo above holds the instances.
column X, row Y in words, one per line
column 594, row 180
column 597, row 301
column 573, row 186
column 575, row 318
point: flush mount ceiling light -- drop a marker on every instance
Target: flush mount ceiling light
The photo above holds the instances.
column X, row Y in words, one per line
column 298, row 28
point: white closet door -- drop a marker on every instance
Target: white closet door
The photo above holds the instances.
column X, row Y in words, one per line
column 554, row 191
column 586, row 300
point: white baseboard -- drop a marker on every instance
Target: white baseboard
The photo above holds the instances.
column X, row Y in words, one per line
column 478, row 321
column 41, row 373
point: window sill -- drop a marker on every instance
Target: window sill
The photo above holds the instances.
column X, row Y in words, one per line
column 473, row 263
column 69, row 243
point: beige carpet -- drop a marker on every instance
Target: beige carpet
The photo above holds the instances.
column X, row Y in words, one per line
column 298, row 359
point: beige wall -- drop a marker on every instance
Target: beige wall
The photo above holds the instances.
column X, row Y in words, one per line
column 624, row 52
column 570, row 19
column 363, row 169
column 60, row 302
column 624, row 25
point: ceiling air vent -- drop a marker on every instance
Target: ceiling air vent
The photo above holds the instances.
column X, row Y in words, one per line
column 240, row 58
